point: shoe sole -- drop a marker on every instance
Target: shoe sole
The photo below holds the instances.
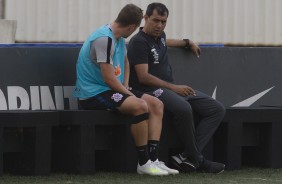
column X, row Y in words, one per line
column 173, row 173
column 141, row 173
column 221, row 171
column 170, row 172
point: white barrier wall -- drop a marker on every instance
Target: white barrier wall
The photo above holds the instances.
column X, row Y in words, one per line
column 255, row 22
column 1, row 9
column 7, row 31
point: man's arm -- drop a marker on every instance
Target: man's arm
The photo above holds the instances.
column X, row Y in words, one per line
column 100, row 47
column 182, row 43
column 110, row 79
column 126, row 72
column 176, row 43
column 146, row 78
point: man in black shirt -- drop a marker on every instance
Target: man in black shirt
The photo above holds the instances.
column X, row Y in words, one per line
column 151, row 73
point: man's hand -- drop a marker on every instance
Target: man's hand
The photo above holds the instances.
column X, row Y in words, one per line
column 183, row 90
column 195, row 48
column 128, row 88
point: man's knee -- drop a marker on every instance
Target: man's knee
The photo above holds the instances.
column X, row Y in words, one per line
column 142, row 106
column 156, row 105
column 139, row 106
column 220, row 109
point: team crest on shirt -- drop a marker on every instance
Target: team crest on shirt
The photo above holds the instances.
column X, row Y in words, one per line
column 155, row 55
column 163, row 41
column 158, row 92
column 117, row 97
column 117, row 70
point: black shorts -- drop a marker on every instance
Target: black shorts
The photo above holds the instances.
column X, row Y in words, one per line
column 106, row 100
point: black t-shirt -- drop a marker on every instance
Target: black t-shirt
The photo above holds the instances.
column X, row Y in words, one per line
column 144, row 49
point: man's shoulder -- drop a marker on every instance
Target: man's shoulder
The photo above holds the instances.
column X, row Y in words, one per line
column 138, row 41
column 102, row 31
column 138, row 37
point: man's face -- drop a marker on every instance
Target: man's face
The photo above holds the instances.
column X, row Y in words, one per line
column 155, row 24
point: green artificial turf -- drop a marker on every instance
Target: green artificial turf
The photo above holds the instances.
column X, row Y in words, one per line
column 246, row 175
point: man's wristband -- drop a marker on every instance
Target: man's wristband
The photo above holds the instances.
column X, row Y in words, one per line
column 187, row 43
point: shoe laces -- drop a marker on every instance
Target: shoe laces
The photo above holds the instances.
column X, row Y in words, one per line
column 161, row 165
column 157, row 162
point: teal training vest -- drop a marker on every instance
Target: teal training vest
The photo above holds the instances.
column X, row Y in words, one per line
column 89, row 80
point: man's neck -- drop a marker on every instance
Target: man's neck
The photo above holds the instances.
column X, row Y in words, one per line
column 147, row 33
column 116, row 30
column 144, row 29
column 154, row 37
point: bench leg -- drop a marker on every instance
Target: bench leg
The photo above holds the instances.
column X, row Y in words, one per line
column 43, row 150
column 234, row 145
column 124, row 152
column 276, row 145
column 87, row 149
column 37, row 150
column 74, row 149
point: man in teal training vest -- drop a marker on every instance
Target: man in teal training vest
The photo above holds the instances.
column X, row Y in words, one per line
column 102, row 83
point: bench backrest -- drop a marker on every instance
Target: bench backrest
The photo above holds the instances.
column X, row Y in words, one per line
column 42, row 76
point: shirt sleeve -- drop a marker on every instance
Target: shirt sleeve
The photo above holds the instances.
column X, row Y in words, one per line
column 138, row 52
column 102, row 50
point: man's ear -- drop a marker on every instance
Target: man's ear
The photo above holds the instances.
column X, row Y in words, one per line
column 146, row 17
column 132, row 26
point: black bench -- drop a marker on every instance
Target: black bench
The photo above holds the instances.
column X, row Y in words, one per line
column 87, row 141
column 250, row 136
column 52, row 71
column 84, row 135
column 29, row 151
column 247, row 136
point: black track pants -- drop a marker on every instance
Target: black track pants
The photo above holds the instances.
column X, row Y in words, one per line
column 194, row 134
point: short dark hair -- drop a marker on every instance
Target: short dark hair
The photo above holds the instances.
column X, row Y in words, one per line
column 161, row 9
column 130, row 14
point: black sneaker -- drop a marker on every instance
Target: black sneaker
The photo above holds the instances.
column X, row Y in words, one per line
column 211, row 167
column 182, row 163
